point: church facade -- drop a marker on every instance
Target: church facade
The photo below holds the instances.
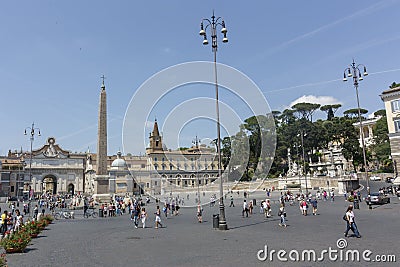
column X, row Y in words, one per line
column 179, row 169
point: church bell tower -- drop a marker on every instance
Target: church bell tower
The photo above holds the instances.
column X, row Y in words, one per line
column 155, row 140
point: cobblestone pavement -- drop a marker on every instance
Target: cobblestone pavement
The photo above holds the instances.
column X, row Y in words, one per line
column 184, row 242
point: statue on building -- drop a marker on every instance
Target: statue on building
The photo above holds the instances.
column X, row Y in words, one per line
column 51, row 151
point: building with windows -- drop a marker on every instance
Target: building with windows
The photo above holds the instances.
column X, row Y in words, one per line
column 391, row 98
column 368, row 126
column 49, row 169
column 170, row 170
column 12, row 170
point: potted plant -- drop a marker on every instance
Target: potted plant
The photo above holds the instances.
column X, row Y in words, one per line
column 32, row 228
column 3, row 260
column 48, row 218
column 16, row 242
column 42, row 224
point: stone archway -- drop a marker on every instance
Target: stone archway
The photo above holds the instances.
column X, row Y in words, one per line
column 49, row 184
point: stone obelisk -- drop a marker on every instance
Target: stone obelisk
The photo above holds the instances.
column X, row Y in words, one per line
column 101, row 161
column 101, row 181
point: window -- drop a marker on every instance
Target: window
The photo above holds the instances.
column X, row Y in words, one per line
column 155, row 159
column 397, row 125
column 155, row 183
column 395, row 105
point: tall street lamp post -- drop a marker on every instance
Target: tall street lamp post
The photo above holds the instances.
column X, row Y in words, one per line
column 354, row 71
column 297, row 166
column 32, row 138
column 196, row 142
column 212, row 25
column 22, row 164
column 302, row 134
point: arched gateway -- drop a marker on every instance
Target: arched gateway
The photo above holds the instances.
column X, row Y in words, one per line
column 49, row 184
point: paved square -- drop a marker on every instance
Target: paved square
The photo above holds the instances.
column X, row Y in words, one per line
column 185, row 242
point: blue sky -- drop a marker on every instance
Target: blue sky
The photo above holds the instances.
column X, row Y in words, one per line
column 53, row 53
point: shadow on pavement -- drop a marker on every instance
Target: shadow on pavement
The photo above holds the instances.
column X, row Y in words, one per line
column 252, row 224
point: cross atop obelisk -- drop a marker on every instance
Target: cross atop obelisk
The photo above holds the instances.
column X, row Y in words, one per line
column 102, row 85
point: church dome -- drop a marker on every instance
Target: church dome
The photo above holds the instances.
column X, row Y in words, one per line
column 119, row 162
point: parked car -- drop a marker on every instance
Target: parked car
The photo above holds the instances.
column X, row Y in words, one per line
column 375, row 178
column 378, row 198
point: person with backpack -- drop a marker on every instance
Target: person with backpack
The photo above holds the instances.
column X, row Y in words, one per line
column 269, row 210
column 135, row 215
column 350, row 222
column 158, row 217
column 165, row 210
column 282, row 214
column 4, row 217
column 232, row 204
column 143, row 216
column 35, row 212
column 245, row 209
column 199, row 213
column 314, row 204
column 303, row 207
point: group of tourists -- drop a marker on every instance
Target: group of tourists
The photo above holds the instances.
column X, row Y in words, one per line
column 140, row 215
column 11, row 221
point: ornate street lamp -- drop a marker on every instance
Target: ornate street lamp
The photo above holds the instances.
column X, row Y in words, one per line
column 212, row 25
column 32, row 138
column 354, row 71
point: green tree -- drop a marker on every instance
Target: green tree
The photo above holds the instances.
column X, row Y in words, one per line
column 350, row 143
column 330, row 110
column 381, row 146
column 381, row 112
column 353, row 113
column 305, row 110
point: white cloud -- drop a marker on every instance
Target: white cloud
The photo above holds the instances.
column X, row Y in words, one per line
column 322, row 100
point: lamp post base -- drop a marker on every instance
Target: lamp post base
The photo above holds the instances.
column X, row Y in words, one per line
column 222, row 221
column 223, row 226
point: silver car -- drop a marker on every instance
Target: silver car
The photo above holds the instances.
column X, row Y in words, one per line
column 379, row 198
